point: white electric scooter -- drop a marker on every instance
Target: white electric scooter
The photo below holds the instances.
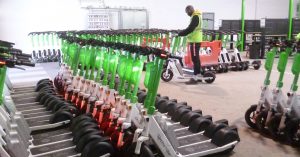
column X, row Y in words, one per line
column 174, row 67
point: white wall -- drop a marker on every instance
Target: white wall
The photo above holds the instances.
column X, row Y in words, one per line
column 19, row 17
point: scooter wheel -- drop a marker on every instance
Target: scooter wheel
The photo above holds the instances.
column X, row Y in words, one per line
column 273, row 128
column 250, row 116
column 145, row 151
column 293, row 132
column 167, row 76
column 261, row 121
column 256, row 65
column 211, row 76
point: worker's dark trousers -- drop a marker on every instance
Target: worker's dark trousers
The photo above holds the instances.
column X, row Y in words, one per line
column 194, row 49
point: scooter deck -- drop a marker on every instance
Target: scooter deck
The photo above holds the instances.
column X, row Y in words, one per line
column 34, row 111
column 62, row 153
column 27, row 108
column 52, row 139
column 184, row 132
column 23, row 91
column 24, row 100
column 51, row 147
column 24, row 95
column 197, row 148
column 176, row 126
column 38, row 123
column 192, row 139
column 39, row 114
column 51, row 133
column 44, row 118
column 28, row 104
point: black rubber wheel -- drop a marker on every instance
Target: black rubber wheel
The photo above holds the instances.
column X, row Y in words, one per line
column 97, row 148
column 256, row 65
column 246, row 66
column 292, row 132
column 273, row 127
column 211, row 75
column 84, row 124
column 80, row 119
column 225, row 70
column 90, row 137
column 199, row 124
column 179, row 114
column 235, row 66
column 241, row 66
column 145, row 151
column 221, row 68
column 167, row 77
column 60, row 116
column 261, row 121
column 186, row 119
column 250, row 116
column 142, row 97
column 225, row 136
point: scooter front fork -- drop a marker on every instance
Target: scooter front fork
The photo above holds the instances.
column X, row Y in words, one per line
column 269, row 116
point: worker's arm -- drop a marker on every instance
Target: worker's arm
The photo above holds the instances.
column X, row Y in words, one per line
column 194, row 23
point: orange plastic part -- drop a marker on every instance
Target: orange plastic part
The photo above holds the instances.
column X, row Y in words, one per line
column 206, row 59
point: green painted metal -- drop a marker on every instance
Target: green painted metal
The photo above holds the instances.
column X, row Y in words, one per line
column 283, row 59
column 291, row 11
column 99, row 62
column 243, row 26
column 2, row 81
column 296, row 71
column 151, row 82
column 269, row 65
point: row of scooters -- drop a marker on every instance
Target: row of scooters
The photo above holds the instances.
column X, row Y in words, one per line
column 81, row 117
column 44, row 56
column 274, row 114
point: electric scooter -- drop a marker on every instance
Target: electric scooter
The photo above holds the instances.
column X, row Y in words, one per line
column 265, row 100
column 278, row 99
column 174, row 67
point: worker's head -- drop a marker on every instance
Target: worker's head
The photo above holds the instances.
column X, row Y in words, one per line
column 189, row 10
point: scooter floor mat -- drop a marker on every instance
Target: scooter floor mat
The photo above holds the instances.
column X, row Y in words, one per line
column 38, row 123
column 30, row 108
column 62, row 153
column 24, row 95
column 52, row 139
column 192, row 139
column 32, row 120
column 51, row 133
column 34, row 111
column 177, row 126
column 28, row 105
column 23, row 89
column 197, row 148
column 184, row 132
column 25, row 100
column 51, row 147
column 37, row 114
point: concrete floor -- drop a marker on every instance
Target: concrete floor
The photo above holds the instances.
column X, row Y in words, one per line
column 228, row 98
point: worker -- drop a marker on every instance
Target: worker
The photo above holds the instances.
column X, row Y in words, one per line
column 194, row 38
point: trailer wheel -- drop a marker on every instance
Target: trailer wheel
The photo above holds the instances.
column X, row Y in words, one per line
column 167, row 76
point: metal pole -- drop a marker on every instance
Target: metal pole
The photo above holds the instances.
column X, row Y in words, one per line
column 243, row 25
column 291, row 9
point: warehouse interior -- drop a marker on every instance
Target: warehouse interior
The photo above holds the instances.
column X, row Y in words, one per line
column 140, row 78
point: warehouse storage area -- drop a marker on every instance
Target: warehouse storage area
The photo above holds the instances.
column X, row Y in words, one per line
column 141, row 78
